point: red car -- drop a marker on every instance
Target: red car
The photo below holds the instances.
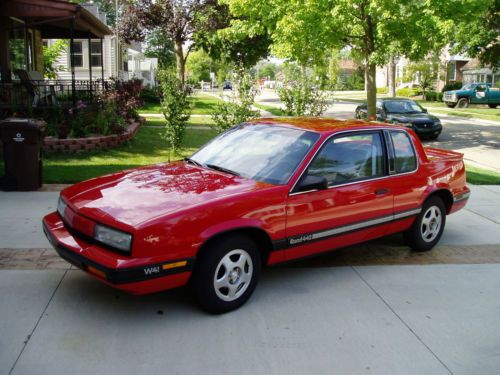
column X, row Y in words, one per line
column 261, row 193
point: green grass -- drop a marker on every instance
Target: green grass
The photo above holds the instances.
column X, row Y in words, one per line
column 193, row 121
column 150, row 108
column 203, row 104
column 479, row 176
column 148, row 147
column 274, row 110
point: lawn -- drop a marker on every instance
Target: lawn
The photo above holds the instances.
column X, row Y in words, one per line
column 203, row 104
column 148, row 147
column 479, row 176
column 193, row 121
column 274, row 110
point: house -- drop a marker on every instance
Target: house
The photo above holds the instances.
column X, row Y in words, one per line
column 119, row 60
column 23, row 26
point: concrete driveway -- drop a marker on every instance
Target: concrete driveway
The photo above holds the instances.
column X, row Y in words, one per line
column 479, row 140
column 309, row 317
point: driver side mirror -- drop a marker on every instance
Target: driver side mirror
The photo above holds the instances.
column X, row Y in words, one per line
column 425, row 110
column 313, row 183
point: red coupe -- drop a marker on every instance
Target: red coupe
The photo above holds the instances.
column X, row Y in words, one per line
column 261, row 193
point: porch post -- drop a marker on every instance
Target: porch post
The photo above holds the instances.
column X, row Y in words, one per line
column 90, row 65
column 72, row 60
column 102, row 65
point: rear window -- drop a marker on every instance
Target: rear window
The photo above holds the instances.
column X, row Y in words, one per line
column 404, row 154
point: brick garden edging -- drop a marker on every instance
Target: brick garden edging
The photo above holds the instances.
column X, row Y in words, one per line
column 70, row 145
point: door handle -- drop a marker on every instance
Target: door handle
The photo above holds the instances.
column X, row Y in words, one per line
column 381, row 191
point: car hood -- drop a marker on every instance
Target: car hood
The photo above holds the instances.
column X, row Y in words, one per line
column 414, row 118
column 456, row 92
column 136, row 196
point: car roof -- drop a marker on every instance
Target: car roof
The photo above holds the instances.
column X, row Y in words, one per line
column 395, row 99
column 320, row 125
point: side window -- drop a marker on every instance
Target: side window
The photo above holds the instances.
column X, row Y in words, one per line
column 404, row 154
column 349, row 158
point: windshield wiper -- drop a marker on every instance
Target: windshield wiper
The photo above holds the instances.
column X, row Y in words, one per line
column 222, row 169
column 189, row 160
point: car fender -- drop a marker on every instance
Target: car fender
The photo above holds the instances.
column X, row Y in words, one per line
column 230, row 226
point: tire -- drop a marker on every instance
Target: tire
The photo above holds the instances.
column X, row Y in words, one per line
column 226, row 274
column 463, row 103
column 428, row 227
column 492, row 105
column 451, row 105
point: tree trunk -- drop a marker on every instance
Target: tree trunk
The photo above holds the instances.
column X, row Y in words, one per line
column 371, row 89
column 180, row 62
column 392, row 77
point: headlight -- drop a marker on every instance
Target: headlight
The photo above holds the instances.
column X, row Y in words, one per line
column 112, row 237
column 61, row 206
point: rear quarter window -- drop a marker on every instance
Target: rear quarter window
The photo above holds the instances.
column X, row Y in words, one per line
column 405, row 159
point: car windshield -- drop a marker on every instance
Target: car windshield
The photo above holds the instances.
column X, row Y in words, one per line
column 261, row 152
column 402, row 106
column 469, row 87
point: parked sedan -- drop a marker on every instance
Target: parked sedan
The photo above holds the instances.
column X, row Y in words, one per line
column 259, row 194
column 405, row 112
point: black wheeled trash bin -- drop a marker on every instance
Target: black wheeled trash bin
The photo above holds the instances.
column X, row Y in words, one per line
column 22, row 140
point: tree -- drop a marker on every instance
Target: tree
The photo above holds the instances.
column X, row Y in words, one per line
column 479, row 36
column 373, row 29
column 178, row 20
column 160, row 46
column 425, row 71
column 50, row 56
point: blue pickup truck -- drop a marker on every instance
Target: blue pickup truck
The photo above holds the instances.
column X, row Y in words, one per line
column 473, row 93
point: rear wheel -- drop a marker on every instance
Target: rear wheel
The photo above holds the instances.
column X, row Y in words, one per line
column 226, row 274
column 428, row 226
column 492, row 105
column 463, row 103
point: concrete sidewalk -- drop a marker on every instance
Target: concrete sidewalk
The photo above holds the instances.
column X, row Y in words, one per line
column 305, row 318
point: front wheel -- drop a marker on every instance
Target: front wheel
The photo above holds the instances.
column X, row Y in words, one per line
column 463, row 103
column 492, row 105
column 428, row 226
column 226, row 274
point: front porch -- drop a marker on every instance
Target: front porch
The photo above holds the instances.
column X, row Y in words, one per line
column 24, row 24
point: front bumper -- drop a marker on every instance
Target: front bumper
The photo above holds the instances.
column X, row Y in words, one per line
column 145, row 276
column 429, row 131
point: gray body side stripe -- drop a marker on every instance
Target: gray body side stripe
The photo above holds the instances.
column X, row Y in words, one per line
column 309, row 237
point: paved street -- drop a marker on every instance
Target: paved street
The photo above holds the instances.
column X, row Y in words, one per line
column 479, row 140
column 346, row 312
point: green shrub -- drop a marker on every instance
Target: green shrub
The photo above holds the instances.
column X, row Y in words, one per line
column 151, row 95
column 175, row 107
column 382, row 90
column 237, row 110
column 408, row 92
column 430, row 96
column 450, row 86
column 302, row 98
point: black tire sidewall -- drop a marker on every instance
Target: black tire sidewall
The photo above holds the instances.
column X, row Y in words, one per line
column 413, row 236
column 463, row 100
column 206, row 264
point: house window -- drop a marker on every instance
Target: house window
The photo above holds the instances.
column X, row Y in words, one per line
column 452, row 71
column 96, row 54
column 77, row 54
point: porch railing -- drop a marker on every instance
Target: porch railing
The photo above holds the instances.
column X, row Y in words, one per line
column 22, row 95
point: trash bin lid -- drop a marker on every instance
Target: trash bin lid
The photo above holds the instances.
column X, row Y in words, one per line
column 22, row 124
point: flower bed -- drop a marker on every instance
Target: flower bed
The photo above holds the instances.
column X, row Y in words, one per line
column 101, row 142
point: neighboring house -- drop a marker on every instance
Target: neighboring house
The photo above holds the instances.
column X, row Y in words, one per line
column 142, row 67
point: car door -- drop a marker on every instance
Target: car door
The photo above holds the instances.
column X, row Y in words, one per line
column 357, row 204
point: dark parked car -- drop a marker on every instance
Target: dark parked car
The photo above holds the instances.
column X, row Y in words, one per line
column 227, row 85
column 405, row 112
